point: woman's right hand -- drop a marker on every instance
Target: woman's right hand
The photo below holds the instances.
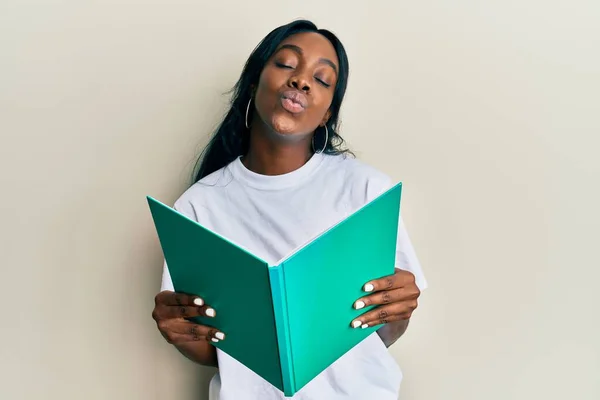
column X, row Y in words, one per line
column 170, row 312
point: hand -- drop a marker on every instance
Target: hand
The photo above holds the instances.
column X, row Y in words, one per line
column 171, row 311
column 395, row 297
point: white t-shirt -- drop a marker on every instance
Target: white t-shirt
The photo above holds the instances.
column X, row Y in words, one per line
column 290, row 209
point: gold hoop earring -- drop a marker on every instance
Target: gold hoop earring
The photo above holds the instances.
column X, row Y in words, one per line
column 326, row 139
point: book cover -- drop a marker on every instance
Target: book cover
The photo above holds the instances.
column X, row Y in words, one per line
column 290, row 321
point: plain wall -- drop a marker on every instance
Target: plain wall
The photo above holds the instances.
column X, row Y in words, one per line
column 487, row 111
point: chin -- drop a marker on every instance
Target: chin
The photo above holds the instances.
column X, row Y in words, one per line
column 284, row 125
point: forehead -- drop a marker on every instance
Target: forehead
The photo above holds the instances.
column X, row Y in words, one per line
column 313, row 45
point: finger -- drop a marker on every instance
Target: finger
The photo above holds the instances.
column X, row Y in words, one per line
column 169, row 298
column 388, row 296
column 170, row 312
column 178, row 338
column 181, row 331
column 383, row 321
column 184, row 331
column 390, row 312
column 399, row 279
column 382, row 297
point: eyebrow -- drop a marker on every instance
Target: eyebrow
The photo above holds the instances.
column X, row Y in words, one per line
column 299, row 50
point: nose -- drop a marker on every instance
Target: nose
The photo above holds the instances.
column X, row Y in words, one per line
column 299, row 82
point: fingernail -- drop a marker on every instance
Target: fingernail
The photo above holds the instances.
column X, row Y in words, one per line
column 369, row 287
column 220, row 335
column 198, row 301
column 364, row 326
column 210, row 312
column 359, row 304
column 356, row 324
column 215, row 340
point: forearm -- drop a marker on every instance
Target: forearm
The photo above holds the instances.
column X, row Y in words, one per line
column 391, row 332
column 200, row 352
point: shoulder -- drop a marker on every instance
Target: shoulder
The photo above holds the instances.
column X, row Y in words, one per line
column 203, row 192
column 358, row 176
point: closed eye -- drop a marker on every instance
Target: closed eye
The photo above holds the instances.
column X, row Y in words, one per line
column 322, row 82
column 280, row 65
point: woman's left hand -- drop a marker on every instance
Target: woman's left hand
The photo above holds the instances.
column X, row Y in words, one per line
column 395, row 297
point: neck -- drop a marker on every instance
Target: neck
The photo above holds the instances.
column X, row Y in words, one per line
column 271, row 153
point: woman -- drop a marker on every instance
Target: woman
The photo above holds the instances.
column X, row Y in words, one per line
column 276, row 161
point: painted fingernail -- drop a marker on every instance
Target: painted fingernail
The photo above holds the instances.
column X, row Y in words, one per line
column 210, row 312
column 215, row 340
column 356, row 324
column 364, row 326
column 359, row 304
column 198, row 301
column 220, row 335
column 369, row 287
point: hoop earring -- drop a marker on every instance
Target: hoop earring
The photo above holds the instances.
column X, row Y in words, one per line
column 247, row 111
column 326, row 139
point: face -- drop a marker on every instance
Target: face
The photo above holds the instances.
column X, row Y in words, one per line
column 296, row 86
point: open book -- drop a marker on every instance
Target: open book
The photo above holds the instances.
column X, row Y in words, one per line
column 290, row 321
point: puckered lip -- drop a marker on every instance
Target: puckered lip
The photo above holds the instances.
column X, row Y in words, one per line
column 295, row 96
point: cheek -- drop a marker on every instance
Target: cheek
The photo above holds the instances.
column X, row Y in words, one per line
column 266, row 92
column 271, row 79
column 265, row 102
column 269, row 111
column 320, row 108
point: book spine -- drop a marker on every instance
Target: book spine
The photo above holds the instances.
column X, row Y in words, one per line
column 278, row 292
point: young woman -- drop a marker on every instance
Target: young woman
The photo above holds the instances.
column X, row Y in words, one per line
column 276, row 161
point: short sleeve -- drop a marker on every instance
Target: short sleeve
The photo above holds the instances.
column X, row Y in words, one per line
column 167, row 282
column 406, row 257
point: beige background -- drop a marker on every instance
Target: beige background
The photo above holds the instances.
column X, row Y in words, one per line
column 488, row 111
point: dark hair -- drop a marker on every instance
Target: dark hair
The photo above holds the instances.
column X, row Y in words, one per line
column 231, row 138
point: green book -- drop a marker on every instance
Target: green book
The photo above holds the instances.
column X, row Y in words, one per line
column 289, row 321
